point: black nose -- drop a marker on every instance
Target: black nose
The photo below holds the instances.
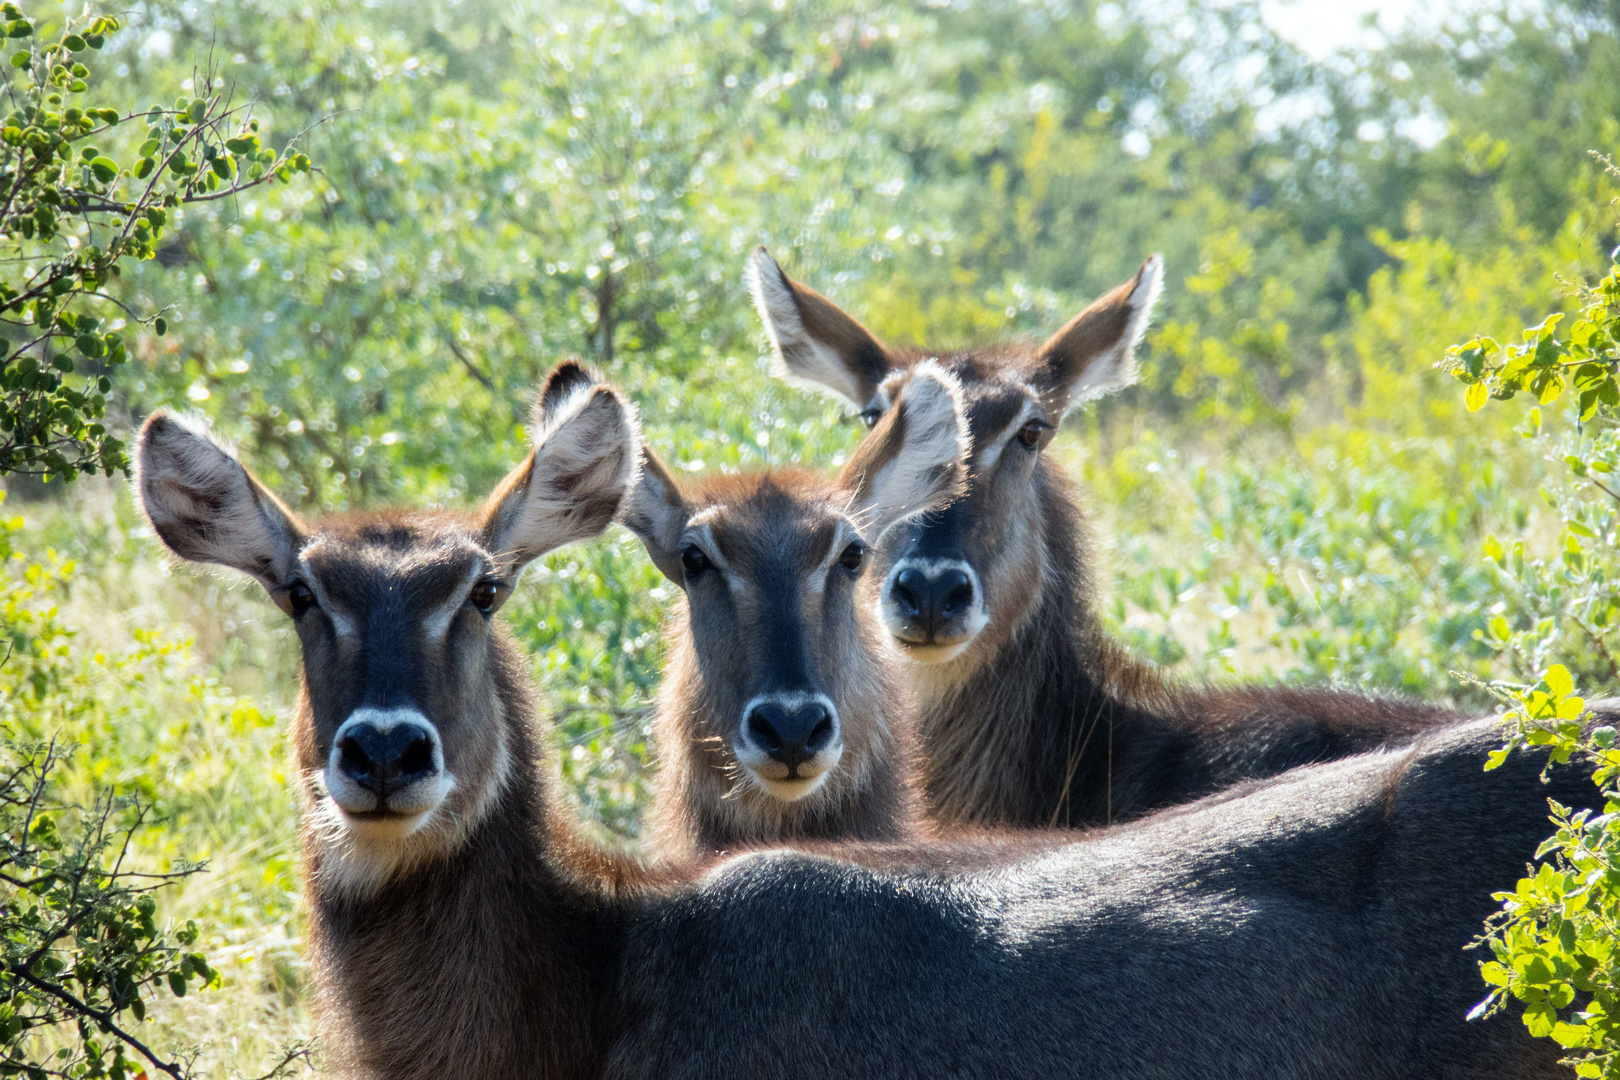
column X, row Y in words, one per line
column 929, row 603
column 386, row 761
column 790, row 737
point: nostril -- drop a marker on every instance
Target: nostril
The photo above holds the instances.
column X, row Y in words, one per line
column 417, row 758
column 957, row 593
column 762, row 731
column 909, row 588
column 821, row 733
column 352, row 758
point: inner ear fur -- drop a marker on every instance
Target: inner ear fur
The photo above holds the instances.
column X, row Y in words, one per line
column 571, row 485
column 657, row 513
column 814, row 340
column 206, row 506
column 1094, row 353
column 915, row 459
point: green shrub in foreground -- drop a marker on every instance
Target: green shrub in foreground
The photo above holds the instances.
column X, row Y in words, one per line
column 1555, row 939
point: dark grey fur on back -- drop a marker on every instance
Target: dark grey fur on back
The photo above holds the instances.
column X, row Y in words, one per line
column 1314, row 927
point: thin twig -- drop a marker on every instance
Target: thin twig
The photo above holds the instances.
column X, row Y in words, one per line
column 466, row 361
column 291, row 1055
column 102, row 1017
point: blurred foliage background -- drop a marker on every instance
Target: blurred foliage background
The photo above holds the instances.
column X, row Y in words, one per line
column 1294, row 491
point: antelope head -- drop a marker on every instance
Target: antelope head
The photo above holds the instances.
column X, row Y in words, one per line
column 405, row 731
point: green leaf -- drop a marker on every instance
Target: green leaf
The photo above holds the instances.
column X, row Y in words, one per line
column 1476, row 397
column 160, row 326
column 1570, row 1035
column 1559, row 681
column 143, row 168
column 74, row 43
column 1540, row 1018
column 105, row 168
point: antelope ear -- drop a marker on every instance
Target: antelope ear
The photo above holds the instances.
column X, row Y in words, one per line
column 657, row 513
column 814, row 340
column 207, row 507
column 1093, row 354
column 571, row 484
column 567, row 379
column 915, row 459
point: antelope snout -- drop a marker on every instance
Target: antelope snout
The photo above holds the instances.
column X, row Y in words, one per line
column 387, row 762
column 933, row 607
column 789, row 742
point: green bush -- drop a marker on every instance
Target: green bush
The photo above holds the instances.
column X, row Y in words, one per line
column 118, row 758
column 70, row 214
column 1554, row 941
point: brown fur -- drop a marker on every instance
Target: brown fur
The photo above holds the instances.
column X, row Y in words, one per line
column 777, row 616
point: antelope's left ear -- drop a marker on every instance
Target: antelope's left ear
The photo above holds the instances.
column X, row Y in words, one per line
column 571, row 484
column 915, row 459
column 1093, row 354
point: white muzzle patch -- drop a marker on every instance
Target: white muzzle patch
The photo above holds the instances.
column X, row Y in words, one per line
column 948, row 638
column 771, row 774
column 406, row 808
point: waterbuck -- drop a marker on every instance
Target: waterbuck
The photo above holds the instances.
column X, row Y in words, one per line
column 779, row 716
column 1029, row 714
column 1311, row 928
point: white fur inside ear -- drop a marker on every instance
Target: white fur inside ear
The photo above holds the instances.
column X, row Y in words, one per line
column 1116, row 368
column 583, row 463
column 926, row 471
column 202, row 503
column 800, row 358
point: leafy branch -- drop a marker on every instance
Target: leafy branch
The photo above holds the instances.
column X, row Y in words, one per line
column 79, row 944
column 71, row 213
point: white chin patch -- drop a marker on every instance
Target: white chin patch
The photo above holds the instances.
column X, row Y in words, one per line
column 789, row 790
column 386, row 829
column 933, row 654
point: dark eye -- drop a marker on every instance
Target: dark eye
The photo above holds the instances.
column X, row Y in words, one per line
column 483, row 596
column 693, row 561
column 299, row 598
column 1029, row 436
column 870, row 417
column 852, row 557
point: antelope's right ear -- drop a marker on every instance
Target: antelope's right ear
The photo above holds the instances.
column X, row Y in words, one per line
column 572, row 482
column 814, row 340
column 657, row 513
column 207, row 507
